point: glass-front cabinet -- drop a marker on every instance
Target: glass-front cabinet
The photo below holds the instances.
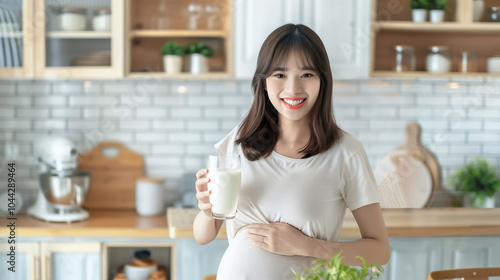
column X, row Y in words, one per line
column 16, row 37
column 79, row 39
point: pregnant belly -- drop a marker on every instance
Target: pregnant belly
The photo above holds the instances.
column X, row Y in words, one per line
column 242, row 260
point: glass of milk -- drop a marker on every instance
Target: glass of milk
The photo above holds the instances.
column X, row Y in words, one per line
column 224, row 172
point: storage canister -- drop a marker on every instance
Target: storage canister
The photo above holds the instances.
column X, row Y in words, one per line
column 102, row 20
column 494, row 14
column 149, row 194
column 72, row 18
column 405, row 58
column 438, row 59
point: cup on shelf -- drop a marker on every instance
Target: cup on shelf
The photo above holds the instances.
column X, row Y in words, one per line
column 493, row 64
column 194, row 12
column 467, row 62
column 72, row 18
column 405, row 58
column 213, row 12
column 438, row 59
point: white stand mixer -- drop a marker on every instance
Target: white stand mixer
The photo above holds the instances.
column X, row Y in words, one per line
column 62, row 187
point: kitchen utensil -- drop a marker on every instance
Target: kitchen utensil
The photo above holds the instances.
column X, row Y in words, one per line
column 62, row 186
column 113, row 178
column 417, row 170
column 149, row 196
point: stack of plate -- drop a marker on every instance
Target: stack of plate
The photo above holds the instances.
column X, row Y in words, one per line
column 99, row 58
column 493, row 64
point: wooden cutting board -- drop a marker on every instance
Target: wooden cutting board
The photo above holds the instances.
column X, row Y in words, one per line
column 112, row 179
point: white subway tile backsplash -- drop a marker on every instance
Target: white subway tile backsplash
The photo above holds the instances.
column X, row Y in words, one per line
column 345, row 113
column 200, row 149
column 91, row 113
column 120, row 88
column 170, row 125
column 484, row 137
column 466, row 125
column 350, row 125
column 185, row 137
column 492, row 125
column 344, row 88
column 221, row 87
column 171, row 101
column 465, row 149
column 224, row 113
column 378, row 87
column 213, row 137
column 432, row 100
column 166, row 161
column 185, row 113
column 74, row 113
column 67, row 88
column 417, row 88
column 212, row 101
column 491, row 149
column 6, row 135
column 151, row 137
column 33, row 88
column 377, row 112
column 437, row 124
column 15, row 101
column 118, row 136
column 85, row 125
column 483, row 113
column 387, row 124
column 7, row 112
column 451, row 88
column 50, row 124
column 187, row 87
column 15, row 124
column 148, row 112
column 91, row 101
column 141, row 148
column 134, row 125
column 411, row 112
column 174, row 149
column 230, row 124
column 7, row 89
column 231, row 101
column 203, row 125
column 27, row 136
column 51, row 101
column 195, row 162
column 492, row 102
column 32, row 113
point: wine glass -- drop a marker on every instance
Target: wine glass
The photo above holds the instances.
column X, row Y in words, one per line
column 213, row 12
column 194, row 12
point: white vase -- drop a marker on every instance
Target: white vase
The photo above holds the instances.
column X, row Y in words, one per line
column 419, row 15
column 198, row 63
column 436, row 16
column 478, row 9
column 172, row 64
column 470, row 200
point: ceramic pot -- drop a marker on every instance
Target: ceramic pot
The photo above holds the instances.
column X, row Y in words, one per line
column 172, row 64
column 471, row 200
column 419, row 15
column 478, row 10
column 436, row 16
column 198, row 63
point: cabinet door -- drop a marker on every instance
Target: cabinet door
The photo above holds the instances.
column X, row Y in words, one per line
column 196, row 261
column 26, row 261
column 79, row 39
column 16, row 38
column 413, row 258
column 466, row 252
column 76, row 261
column 254, row 21
column 344, row 28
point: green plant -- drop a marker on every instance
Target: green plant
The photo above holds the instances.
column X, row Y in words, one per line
column 419, row 4
column 198, row 48
column 478, row 178
column 336, row 270
column 438, row 5
column 171, row 48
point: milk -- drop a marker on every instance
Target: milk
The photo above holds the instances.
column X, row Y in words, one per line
column 225, row 185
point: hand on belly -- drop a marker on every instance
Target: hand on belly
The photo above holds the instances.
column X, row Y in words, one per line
column 279, row 238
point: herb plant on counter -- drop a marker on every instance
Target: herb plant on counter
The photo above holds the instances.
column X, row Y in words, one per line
column 336, row 270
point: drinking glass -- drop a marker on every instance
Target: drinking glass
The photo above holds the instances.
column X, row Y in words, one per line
column 194, row 11
column 224, row 172
column 213, row 12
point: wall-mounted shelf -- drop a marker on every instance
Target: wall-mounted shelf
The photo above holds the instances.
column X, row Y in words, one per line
column 437, row 27
column 152, row 33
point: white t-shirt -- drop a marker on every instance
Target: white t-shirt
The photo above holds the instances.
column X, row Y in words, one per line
column 310, row 194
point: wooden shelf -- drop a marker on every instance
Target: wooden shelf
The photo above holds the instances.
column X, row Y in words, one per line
column 186, row 75
column 424, row 74
column 154, row 33
column 79, row 35
column 482, row 27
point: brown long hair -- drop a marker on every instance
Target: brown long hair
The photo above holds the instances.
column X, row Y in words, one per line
column 259, row 130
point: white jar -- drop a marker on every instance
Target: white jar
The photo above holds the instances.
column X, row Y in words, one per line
column 102, row 20
column 72, row 18
column 438, row 59
column 149, row 194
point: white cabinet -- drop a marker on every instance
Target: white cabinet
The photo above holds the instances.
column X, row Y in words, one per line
column 26, row 261
column 196, row 261
column 344, row 27
column 472, row 252
column 72, row 260
column 254, row 21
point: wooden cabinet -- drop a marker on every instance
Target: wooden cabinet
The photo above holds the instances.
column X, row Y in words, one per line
column 27, row 261
column 392, row 25
column 344, row 27
column 72, row 260
column 150, row 24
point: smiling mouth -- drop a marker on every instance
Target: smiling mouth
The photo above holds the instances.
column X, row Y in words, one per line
column 293, row 103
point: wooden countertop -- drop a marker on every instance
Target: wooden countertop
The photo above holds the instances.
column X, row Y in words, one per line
column 400, row 223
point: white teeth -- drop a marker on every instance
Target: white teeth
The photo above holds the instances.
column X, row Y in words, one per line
column 293, row 102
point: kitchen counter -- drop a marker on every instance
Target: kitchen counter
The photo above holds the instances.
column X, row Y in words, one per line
column 400, row 223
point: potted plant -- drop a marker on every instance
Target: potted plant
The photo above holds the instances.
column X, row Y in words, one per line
column 437, row 8
column 335, row 269
column 478, row 182
column 172, row 57
column 198, row 54
column 419, row 10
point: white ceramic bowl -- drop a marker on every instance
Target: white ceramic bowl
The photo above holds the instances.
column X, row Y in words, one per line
column 493, row 64
column 139, row 272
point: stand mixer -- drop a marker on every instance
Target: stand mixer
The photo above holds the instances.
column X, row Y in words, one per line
column 62, row 187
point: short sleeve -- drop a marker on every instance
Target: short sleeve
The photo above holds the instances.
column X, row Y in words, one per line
column 227, row 145
column 360, row 187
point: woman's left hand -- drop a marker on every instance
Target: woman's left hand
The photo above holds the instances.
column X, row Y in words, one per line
column 279, row 238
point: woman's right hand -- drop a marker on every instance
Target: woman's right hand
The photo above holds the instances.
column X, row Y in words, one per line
column 202, row 192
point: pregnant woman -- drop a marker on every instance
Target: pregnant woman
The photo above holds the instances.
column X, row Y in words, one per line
column 299, row 171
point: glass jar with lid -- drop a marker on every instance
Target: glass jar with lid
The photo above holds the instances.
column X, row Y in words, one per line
column 405, row 58
column 102, row 20
column 438, row 59
column 72, row 18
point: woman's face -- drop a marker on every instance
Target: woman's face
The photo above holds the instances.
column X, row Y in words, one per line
column 293, row 89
